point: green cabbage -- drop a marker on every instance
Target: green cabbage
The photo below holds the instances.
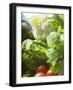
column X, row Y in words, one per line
column 42, row 26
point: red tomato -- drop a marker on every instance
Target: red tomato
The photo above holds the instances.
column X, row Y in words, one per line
column 50, row 73
column 39, row 74
column 43, row 68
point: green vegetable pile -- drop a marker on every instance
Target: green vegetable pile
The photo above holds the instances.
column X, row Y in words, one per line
column 47, row 46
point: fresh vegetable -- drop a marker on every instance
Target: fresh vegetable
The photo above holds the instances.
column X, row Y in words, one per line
column 43, row 46
column 55, row 53
column 44, row 25
column 50, row 73
column 33, row 54
column 43, row 68
column 39, row 74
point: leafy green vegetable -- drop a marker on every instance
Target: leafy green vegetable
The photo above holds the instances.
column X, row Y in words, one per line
column 58, row 20
column 53, row 39
column 58, row 67
column 48, row 46
column 33, row 53
column 55, row 53
column 44, row 25
column 36, row 21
